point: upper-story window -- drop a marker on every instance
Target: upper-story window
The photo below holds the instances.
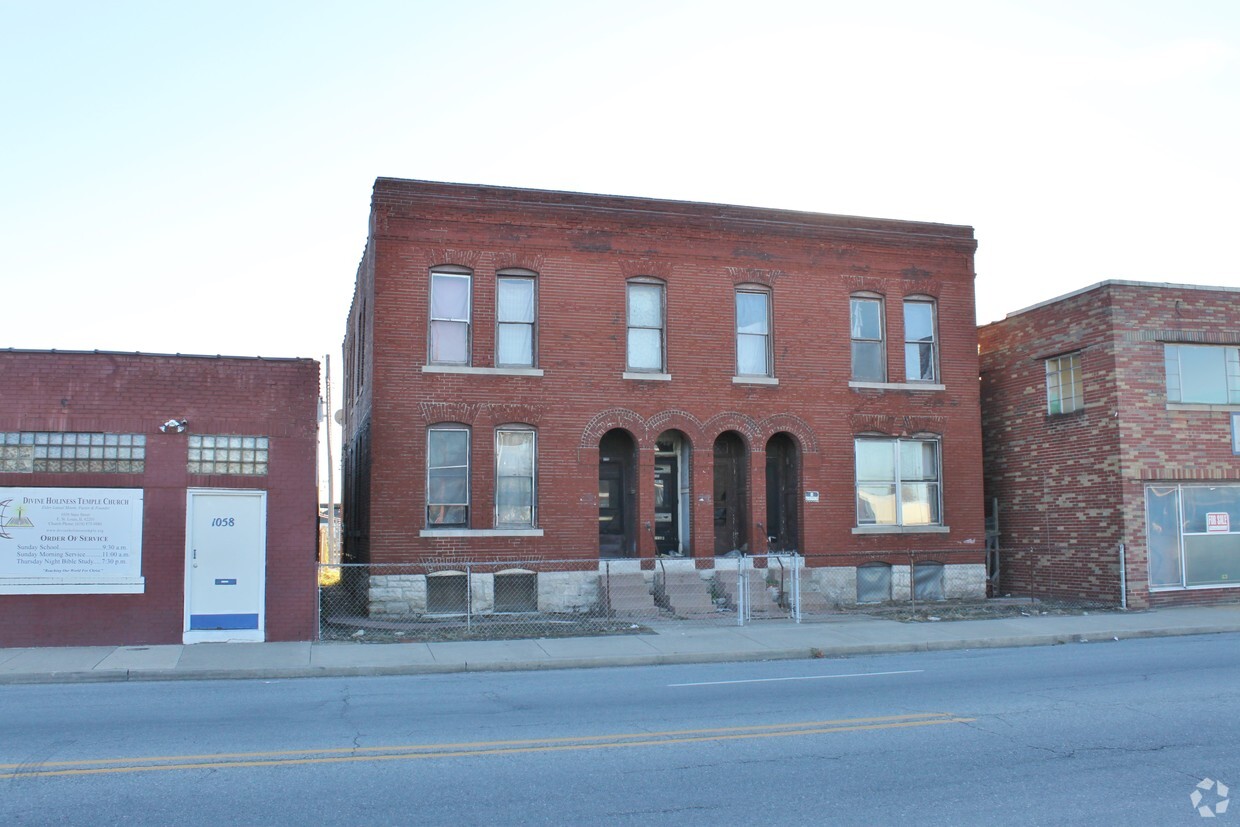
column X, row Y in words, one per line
column 869, row 358
column 516, row 312
column 1203, row 373
column 1065, row 391
column 515, row 500
column 450, row 308
column 920, row 341
column 753, row 332
column 447, row 476
column 646, row 351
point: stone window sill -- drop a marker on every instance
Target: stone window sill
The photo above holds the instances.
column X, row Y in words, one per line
column 482, row 371
column 481, row 532
column 920, row 387
column 901, row 529
column 754, row 380
column 646, row 377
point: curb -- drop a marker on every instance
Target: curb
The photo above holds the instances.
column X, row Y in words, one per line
column 662, row 659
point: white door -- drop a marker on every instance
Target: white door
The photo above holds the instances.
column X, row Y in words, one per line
column 225, row 565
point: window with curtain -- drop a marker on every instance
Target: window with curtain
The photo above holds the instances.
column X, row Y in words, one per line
column 645, row 327
column 515, row 502
column 449, row 316
column 753, row 332
column 515, row 314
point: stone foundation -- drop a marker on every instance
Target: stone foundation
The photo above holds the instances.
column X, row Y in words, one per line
column 577, row 592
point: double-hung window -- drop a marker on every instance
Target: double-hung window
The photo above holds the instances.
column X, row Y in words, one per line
column 1206, row 374
column 515, row 314
column 869, row 360
column 920, row 341
column 449, row 316
column 1065, row 391
column 515, row 501
column 898, row 482
column 645, row 327
column 447, row 476
column 753, row 332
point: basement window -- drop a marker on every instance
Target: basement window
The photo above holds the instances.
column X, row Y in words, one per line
column 516, row 591
column 447, row 593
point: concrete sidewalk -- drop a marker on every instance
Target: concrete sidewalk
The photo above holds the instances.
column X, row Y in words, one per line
column 671, row 643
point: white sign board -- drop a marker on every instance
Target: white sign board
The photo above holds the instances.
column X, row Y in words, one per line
column 811, row 496
column 71, row 541
column 1218, row 522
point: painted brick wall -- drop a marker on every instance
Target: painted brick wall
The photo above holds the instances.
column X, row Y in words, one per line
column 1071, row 487
column 583, row 248
column 135, row 393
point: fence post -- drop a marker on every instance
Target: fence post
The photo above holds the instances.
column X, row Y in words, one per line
column 469, row 598
column 912, row 581
column 796, row 587
column 742, row 591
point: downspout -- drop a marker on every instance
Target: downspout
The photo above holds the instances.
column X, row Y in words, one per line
column 1123, row 579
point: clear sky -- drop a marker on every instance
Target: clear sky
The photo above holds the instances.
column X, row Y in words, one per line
column 195, row 178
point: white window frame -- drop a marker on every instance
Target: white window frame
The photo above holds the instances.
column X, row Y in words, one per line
column 533, row 476
column 443, row 272
column 1228, row 380
column 516, row 275
column 768, row 337
column 468, row 477
column 899, row 481
column 855, row 340
column 1065, row 387
column 661, row 328
column 910, row 301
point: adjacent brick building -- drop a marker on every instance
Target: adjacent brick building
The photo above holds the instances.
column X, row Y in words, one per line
column 535, row 375
column 152, row 499
column 1111, row 424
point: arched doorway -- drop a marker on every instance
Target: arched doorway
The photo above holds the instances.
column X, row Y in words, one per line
column 731, row 500
column 783, row 493
column 617, row 462
column 672, row 497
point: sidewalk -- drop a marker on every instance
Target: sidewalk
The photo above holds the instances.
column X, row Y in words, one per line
column 671, row 643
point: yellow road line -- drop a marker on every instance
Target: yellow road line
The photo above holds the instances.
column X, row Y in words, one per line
column 405, row 753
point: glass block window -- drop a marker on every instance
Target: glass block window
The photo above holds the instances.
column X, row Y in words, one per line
column 28, row 452
column 220, row 454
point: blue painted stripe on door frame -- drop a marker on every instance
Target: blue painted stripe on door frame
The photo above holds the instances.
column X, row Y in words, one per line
column 208, row 622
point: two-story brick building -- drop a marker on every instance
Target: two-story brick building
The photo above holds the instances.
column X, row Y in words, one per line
column 536, row 375
column 1111, row 420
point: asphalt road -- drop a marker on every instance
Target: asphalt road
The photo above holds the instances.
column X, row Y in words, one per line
column 1098, row 733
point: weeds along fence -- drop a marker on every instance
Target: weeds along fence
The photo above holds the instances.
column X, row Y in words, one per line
column 460, row 600
column 1078, row 577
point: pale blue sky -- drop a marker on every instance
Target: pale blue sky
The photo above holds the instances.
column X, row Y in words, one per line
column 196, row 178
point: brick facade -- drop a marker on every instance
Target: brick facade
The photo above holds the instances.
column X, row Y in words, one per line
column 1071, row 487
column 110, row 393
column 582, row 251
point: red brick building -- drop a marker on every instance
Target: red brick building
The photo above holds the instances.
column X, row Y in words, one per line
column 560, row 376
column 152, row 499
column 1110, row 423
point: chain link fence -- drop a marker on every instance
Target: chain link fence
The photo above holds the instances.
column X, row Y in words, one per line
column 469, row 600
column 459, row 600
column 1060, row 578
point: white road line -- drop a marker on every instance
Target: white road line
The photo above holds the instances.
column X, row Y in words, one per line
column 802, row 678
